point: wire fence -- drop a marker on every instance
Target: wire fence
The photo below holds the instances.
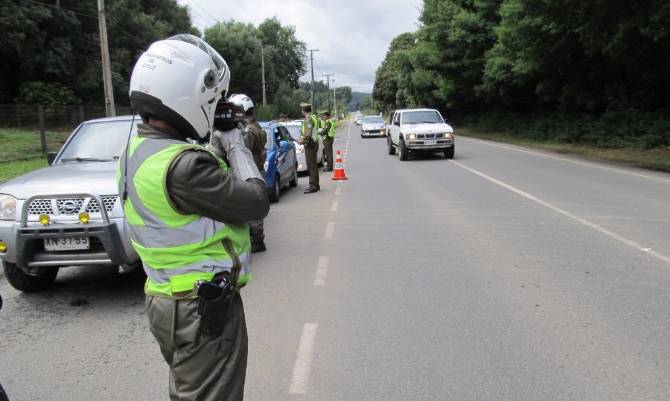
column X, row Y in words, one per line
column 31, row 131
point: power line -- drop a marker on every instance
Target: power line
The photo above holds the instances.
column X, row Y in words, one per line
column 55, row 7
column 216, row 20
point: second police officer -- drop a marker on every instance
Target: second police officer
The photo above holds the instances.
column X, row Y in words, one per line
column 255, row 138
column 328, row 132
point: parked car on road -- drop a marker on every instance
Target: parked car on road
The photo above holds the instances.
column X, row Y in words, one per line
column 373, row 126
column 281, row 165
column 420, row 130
column 67, row 214
column 294, row 129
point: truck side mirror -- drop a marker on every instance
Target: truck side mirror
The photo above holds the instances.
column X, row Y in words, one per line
column 51, row 156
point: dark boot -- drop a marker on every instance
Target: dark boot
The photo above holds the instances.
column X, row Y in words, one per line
column 257, row 246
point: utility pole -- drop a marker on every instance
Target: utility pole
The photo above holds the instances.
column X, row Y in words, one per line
column 265, row 100
column 106, row 67
column 335, row 101
column 311, row 62
column 328, row 86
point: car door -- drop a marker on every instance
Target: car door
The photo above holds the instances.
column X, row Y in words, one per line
column 395, row 128
column 286, row 158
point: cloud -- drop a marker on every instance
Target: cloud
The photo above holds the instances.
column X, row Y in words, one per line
column 352, row 36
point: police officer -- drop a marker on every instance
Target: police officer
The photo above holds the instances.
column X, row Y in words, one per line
column 187, row 215
column 309, row 137
column 255, row 138
column 328, row 132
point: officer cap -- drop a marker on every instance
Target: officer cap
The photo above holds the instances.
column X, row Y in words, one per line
column 306, row 106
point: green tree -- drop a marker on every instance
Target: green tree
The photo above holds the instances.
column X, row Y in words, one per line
column 59, row 44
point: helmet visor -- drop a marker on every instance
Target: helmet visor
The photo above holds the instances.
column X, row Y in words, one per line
column 217, row 64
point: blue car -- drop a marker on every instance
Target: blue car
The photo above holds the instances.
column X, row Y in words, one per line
column 281, row 165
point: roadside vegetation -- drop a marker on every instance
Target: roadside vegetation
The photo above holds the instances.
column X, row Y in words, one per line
column 21, row 151
column 583, row 74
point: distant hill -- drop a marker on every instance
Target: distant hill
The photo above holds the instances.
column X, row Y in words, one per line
column 356, row 99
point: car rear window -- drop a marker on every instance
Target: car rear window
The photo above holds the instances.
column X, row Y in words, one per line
column 104, row 141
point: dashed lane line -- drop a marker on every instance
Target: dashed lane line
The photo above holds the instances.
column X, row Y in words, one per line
column 565, row 213
column 338, row 191
column 321, row 271
column 330, row 229
column 303, row 361
column 335, row 206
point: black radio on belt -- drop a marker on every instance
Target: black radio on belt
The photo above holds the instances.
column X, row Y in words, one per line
column 215, row 297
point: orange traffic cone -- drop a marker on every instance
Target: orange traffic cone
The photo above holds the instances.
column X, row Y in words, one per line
column 339, row 173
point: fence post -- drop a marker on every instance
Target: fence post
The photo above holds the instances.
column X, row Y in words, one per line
column 40, row 122
column 81, row 114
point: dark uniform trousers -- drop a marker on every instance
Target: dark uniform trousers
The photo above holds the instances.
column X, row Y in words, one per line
column 311, row 150
column 328, row 152
column 202, row 367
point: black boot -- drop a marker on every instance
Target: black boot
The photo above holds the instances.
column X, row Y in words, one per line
column 257, row 246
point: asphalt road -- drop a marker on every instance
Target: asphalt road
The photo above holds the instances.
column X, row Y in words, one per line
column 505, row 274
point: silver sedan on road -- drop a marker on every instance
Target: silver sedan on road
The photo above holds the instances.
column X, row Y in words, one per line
column 373, row 126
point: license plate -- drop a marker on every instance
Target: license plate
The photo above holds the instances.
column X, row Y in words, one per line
column 67, row 244
column 430, row 142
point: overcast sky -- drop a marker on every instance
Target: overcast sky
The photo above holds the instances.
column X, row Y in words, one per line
column 352, row 35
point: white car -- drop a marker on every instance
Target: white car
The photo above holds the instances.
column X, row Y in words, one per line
column 294, row 128
column 414, row 130
column 373, row 126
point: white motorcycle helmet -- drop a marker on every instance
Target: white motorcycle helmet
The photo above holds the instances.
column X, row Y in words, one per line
column 180, row 80
column 244, row 101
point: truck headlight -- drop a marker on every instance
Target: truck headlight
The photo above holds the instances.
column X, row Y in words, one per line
column 7, row 207
column 448, row 135
column 411, row 137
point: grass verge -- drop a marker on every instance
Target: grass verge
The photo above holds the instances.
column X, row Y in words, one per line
column 653, row 159
column 13, row 169
column 21, row 151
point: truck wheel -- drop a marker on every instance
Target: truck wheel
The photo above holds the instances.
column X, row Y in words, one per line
column 294, row 181
column 449, row 152
column 389, row 145
column 274, row 191
column 403, row 151
column 25, row 282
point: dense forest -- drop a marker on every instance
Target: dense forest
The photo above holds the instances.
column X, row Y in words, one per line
column 595, row 71
column 50, row 52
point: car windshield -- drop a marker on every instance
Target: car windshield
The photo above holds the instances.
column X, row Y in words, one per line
column 99, row 141
column 421, row 117
column 294, row 130
column 373, row 120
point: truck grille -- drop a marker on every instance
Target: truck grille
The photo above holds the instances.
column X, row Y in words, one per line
column 108, row 201
column 430, row 136
column 41, row 206
column 71, row 206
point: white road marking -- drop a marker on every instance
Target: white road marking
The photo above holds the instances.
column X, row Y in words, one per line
column 303, row 362
column 338, row 190
column 321, row 272
column 335, row 206
column 330, row 228
column 565, row 213
column 581, row 163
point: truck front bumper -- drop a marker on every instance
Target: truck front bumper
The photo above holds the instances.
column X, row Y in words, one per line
column 109, row 241
column 420, row 144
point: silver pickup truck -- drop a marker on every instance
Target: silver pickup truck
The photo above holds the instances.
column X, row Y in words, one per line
column 67, row 214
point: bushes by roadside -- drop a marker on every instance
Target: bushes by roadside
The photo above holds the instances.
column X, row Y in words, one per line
column 611, row 130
